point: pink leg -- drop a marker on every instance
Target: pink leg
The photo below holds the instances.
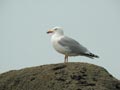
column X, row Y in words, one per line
column 66, row 59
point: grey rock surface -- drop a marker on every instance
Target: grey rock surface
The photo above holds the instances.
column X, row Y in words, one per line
column 69, row 76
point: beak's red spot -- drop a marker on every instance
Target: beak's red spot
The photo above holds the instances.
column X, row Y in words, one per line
column 49, row 32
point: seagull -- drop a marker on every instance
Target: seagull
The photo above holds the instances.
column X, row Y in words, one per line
column 68, row 46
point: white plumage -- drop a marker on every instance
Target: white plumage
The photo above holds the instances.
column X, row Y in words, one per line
column 68, row 46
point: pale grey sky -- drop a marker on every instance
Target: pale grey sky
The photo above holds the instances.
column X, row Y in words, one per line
column 23, row 25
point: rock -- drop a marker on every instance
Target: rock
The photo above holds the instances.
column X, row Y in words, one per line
column 69, row 76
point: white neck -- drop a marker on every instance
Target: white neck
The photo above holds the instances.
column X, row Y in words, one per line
column 56, row 36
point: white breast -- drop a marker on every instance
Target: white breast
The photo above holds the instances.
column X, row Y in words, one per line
column 58, row 47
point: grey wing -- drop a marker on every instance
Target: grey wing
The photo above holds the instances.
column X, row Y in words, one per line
column 73, row 45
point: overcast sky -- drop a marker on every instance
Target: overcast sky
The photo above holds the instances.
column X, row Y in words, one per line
column 24, row 42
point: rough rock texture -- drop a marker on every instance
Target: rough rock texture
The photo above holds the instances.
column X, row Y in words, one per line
column 70, row 76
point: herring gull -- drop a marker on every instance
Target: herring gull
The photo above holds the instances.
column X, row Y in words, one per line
column 68, row 46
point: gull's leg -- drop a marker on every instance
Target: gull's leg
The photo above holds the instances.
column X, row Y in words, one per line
column 65, row 59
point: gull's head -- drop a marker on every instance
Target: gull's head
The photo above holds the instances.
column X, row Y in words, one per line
column 56, row 30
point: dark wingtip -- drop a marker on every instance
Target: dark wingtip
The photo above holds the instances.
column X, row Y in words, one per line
column 91, row 55
column 96, row 56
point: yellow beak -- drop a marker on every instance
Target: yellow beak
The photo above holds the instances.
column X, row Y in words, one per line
column 49, row 31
